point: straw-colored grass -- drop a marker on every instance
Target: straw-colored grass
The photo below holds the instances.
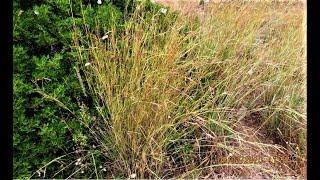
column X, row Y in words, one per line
column 170, row 92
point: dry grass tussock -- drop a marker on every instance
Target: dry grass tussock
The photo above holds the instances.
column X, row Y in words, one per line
column 192, row 97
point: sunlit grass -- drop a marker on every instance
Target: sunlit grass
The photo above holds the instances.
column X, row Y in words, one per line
column 170, row 88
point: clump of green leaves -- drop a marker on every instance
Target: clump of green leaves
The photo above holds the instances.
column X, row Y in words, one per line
column 46, row 88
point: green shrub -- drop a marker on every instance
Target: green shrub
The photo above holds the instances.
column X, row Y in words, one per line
column 46, row 89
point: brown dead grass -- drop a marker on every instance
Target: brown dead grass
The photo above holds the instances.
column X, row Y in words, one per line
column 272, row 158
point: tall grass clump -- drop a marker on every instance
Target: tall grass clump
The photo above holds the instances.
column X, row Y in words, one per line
column 169, row 89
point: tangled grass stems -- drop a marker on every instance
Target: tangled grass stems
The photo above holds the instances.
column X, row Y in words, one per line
column 163, row 78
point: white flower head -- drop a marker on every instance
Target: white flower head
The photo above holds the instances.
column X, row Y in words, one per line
column 250, row 72
column 133, row 176
column 87, row 64
column 163, row 10
column 206, row 1
column 104, row 169
column 152, row 1
column 20, row 12
column 36, row 12
column 99, row 1
column 105, row 37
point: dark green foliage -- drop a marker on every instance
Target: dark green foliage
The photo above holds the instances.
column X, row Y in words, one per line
column 46, row 88
column 49, row 103
column 103, row 17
